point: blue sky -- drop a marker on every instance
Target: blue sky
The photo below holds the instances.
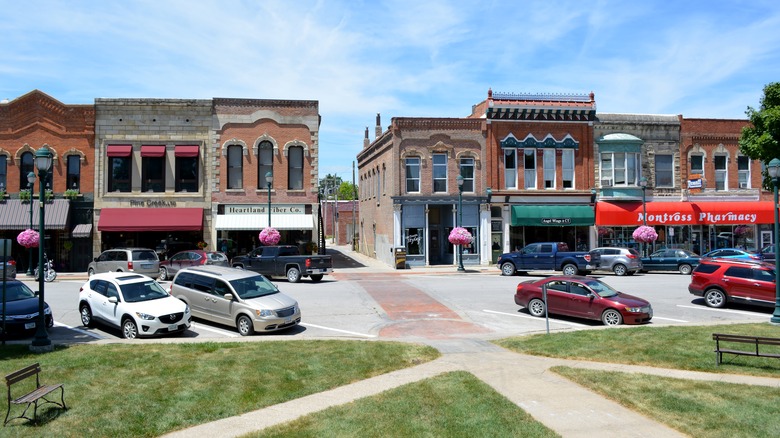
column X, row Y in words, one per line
column 400, row 58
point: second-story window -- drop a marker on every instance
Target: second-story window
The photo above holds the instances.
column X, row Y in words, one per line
column 413, row 175
column 529, row 168
column 25, row 168
column 73, row 179
column 567, row 168
column 265, row 163
column 467, row 172
column 120, row 160
column 153, row 168
column 295, row 168
column 664, row 171
column 510, row 168
column 619, row 169
column 235, row 174
column 743, row 169
column 4, row 174
column 721, row 172
column 439, row 173
column 697, row 164
column 549, row 168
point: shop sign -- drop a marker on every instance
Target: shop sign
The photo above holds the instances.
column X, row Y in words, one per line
column 556, row 221
column 153, row 203
column 263, row 209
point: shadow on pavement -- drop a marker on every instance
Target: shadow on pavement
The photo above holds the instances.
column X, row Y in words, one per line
column 340, row 261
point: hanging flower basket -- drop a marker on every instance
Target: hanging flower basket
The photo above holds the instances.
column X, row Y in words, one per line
column 28, row 238
column 645, row 234
column 269, row 236
column 460, row 236
column 202, row 245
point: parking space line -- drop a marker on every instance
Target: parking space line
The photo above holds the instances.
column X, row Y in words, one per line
column 213, row 330
column 739, row 312
column 337, row 330
column 669, row 319
column 535, row 318
column 83, row 332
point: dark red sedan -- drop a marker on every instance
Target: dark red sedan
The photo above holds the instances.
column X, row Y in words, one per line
column 185, row 259
column 583, row 297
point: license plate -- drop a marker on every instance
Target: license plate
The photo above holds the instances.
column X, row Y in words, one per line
column 172, row 327
column 288, row 320
column 146, row 265
column 29, row 325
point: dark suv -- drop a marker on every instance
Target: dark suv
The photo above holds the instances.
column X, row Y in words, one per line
column 721, row 281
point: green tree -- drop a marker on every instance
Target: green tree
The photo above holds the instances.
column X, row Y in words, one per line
column 761, row 140
column 347, row 191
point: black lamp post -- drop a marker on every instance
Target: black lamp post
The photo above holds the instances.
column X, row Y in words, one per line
column 459, row 179
column 643, row 184
column 269, row 179
column 774, row 172
column 41, row 343
column 30, row 183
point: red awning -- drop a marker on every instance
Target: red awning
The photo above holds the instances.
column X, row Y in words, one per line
column 187, row 151
column 154, row 151
column 685, row 213
column 119, row 150
column 151, row 219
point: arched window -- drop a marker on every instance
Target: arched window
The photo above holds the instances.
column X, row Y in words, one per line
column 235, row 173
column 265, row 163
column 27, row 165
column 74, row 173
column 295, row 168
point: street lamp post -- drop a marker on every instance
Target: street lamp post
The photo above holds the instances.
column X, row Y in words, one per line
column 643, row 184
column 774, row 172
column 41, row 343
column 30, row 183
column 459, row 179
column 269, row 179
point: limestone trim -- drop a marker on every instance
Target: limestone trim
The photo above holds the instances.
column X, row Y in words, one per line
column 268, row 138
column 441, row 147
column 413, row 153
column 296, row 142
column 469, row 154
column 74, row 151
column 6, row 153
column 234, row 142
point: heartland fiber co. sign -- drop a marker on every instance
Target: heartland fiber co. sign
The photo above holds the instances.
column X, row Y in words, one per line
column 263, row 209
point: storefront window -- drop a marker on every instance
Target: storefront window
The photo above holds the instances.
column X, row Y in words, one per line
column 119, row 176
column 415, row 241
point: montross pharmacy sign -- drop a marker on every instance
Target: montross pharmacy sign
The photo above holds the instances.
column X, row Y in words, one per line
column 685, row 213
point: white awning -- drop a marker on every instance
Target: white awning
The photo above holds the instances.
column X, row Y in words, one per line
column 260, row 221
column 81, row 230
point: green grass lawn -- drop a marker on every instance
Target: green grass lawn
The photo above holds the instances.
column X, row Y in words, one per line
column 121, row 390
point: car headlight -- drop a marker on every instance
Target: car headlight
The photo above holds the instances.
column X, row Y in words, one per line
column 264, row 312
column 633, row 309
column 144, row 316
column 47, row 310
column 186, row 308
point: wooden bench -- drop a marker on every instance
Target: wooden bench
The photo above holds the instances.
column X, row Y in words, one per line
column 32, row 398
column 754, row 340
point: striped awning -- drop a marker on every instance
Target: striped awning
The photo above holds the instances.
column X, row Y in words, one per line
column 15, row 214
column 260, row 221
column 81, row 230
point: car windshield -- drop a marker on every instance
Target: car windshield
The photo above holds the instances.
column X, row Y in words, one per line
column 602, row 289
column 17, row 291
column 144, row 255
column 146, row 291
column 253, row 287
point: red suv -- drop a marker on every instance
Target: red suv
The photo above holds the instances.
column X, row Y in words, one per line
column 721, row 281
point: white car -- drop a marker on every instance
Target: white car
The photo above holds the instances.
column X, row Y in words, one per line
column 134, row 303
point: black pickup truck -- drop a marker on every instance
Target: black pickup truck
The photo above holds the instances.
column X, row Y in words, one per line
column 284, row 261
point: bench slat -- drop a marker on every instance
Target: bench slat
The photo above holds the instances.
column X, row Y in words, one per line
column 35, row 395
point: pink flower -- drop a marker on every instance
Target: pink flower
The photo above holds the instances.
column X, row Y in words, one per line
column 28, row 238
column 460, row 236
column 645, row 234
column 269, row 236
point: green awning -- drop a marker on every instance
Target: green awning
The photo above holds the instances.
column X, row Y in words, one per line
column 537, row 215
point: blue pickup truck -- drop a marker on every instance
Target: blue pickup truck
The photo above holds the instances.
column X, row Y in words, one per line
column 545, row 256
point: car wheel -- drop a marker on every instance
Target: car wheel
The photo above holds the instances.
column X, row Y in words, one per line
column 293, row 275
column 86, row 315
column 163, row 274
column 685, row 269
column 715, row 298
column 244, row 326
column 611, row 317
column 90, row 272
column 620, row 270
column 316, row 278
column 570, row 269
column 129, row 329
column 508, row 269
column 536, row 307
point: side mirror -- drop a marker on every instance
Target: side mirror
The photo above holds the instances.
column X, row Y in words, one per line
column 113, row 300
column 228, row 296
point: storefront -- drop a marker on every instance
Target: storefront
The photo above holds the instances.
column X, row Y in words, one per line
column 697, row 226
column 15, row 217
column 569, row 223
column 426, row 226
column 150, row 226
column 239, row 225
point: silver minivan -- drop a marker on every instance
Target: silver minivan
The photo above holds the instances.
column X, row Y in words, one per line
column 139, row 260
column 235, row 297
column 621, row 261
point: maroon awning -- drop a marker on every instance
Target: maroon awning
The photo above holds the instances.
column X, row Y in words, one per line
column 119, row 150
column 155, row 151
column 187, row 151
column 151, row 219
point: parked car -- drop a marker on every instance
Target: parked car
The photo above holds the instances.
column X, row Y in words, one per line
column 733, row 253
column 10, row 267
column 582, row 297
column 544, row 256
column 284, row 260
column 138, row 260
column 166, row 250
column 134, row 303
column 185, row 259
column 768, row 253
column 721, row 281
column 680, row 260
column 21, row 308
column 621, row 261
column 235, row 297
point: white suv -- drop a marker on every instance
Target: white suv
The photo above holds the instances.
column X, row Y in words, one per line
column 134, row 303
